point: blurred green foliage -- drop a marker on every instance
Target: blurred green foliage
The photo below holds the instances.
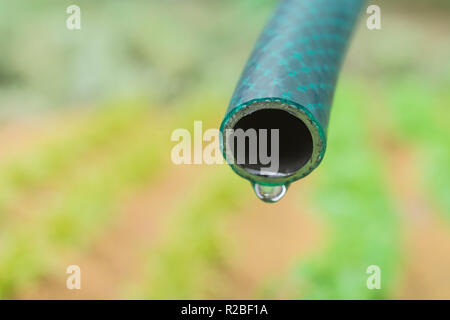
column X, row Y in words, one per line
column 86, row 193
column 183, row 58
column 351, row 195
column 153, row 49
column 185, row 267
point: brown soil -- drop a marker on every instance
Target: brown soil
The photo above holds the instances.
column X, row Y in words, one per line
column 19, row 135
column 269, row 239
column 115, row 259
column 427, row 238
column 425, row 271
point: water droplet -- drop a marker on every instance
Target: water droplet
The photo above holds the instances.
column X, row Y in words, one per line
column 270, row 193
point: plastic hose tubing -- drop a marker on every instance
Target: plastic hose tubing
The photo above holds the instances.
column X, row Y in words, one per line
column 288, row 83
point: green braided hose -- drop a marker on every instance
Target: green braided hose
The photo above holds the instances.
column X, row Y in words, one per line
column 289, row 82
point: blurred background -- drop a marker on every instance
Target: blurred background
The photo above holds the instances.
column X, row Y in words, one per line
column 86, row 176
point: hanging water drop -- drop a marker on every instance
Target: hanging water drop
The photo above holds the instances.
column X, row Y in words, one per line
column 270, row 193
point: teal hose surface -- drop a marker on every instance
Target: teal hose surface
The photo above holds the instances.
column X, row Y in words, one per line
column 294, row 68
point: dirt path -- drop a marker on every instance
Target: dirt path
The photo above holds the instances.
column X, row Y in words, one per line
column 19, row 135
column 268, row 240
column 427, row 238
column 115, row 258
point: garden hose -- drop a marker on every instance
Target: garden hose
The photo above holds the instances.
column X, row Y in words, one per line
column 288, row 84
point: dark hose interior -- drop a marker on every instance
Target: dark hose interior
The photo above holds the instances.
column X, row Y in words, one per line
column 295, row 140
